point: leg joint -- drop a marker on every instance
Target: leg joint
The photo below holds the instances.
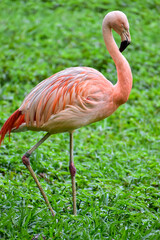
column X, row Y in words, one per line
column 72, row 169
column 25, row 159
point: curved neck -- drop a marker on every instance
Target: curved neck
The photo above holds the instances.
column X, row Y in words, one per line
column 124, row 84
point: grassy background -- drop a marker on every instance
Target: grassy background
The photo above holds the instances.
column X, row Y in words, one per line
column 117, row 159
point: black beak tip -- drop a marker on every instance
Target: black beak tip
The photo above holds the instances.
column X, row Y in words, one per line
column 123, row 46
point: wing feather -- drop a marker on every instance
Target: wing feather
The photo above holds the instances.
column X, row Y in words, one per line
column 73, row 86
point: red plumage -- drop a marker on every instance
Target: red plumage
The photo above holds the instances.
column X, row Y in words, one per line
column 14, row 121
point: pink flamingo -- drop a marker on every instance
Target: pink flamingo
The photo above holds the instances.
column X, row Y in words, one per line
column 75, row 97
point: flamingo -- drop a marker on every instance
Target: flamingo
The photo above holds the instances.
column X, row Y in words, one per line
column 75, row 97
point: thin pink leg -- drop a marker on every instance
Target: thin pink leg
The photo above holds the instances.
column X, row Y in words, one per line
column 73, row 173
column 26, row 162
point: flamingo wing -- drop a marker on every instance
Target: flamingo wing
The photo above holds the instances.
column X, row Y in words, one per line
column 80, row 87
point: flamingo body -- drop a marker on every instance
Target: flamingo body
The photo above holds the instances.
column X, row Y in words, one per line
column 68, row 100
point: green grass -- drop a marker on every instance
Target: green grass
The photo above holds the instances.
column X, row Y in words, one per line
column 117, row 159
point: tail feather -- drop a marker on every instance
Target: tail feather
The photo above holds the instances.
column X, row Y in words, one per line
column 14, row 121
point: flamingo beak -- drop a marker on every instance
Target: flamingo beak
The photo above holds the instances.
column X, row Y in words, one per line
column 124, row 44
column 125, row 40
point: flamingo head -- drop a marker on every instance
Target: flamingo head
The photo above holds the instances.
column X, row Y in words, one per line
column 119, row 23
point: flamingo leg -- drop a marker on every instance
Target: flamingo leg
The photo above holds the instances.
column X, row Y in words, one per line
column 26, row 162
column 73, row 173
